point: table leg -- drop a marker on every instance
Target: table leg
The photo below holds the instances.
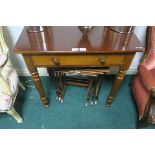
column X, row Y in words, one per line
column 37, row 81
column 119, row 78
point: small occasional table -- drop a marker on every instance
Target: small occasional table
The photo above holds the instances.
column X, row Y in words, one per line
column 68, row 46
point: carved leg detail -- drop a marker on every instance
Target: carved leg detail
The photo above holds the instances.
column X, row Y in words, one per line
column 36, row 79
column 38, row 84
column 119, row 78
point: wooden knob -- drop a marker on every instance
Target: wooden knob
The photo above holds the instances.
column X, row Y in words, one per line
column 56, row 61
column 102, row 60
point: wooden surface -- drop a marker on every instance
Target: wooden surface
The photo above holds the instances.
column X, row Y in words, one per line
column 53, row 48
column 61, row 39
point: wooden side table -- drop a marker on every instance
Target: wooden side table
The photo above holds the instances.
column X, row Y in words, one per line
column 67, row 46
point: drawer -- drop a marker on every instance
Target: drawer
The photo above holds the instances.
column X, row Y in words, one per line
column 78, row 60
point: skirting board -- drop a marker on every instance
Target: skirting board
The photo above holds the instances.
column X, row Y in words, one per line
column 43, row 72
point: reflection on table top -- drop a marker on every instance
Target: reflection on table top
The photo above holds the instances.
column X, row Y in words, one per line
column 62, row 39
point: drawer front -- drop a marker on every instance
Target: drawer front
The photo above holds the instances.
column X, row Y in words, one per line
column 78, row 60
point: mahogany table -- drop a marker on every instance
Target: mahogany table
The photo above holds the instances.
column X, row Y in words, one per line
column 68, row 46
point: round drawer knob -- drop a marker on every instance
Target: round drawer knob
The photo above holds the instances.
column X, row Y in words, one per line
column 102, row 60
column 56, row 61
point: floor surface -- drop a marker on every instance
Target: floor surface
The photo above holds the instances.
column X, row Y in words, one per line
column 72, row 114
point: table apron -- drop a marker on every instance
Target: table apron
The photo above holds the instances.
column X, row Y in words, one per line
column 78, row 60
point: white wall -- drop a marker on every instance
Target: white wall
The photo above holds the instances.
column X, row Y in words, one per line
column 11, row 34
column 140, row 32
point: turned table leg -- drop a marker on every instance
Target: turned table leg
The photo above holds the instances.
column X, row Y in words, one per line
column 38, row 84
column 36, row 79
column 119, row 78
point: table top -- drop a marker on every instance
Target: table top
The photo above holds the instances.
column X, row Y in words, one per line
column 67, row 39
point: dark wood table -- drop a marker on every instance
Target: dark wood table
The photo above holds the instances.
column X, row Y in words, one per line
column 68, row 46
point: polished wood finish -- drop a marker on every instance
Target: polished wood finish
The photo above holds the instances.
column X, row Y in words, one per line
column 36, row 79
column 78, row 60
column 119, row 77
column 61, row 39
column 53, row 48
